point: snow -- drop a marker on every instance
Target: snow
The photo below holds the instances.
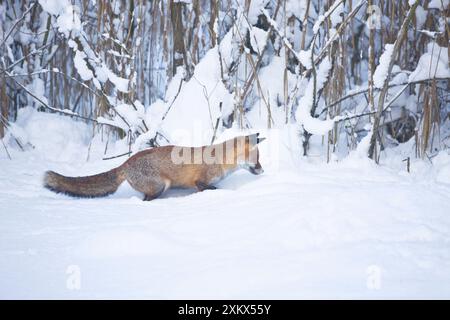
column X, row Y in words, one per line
column 81, row 66
column 336, row 15
column 303, row 114
column 273, row 92
column 69, row 20
column 303, row 229
column 431, row 34
column 120, row 83
column 381, row 72
column 254, row 10
column 432, row 64
column 68, row 23
column 296, row 8
column 336, row 6
column 133, row 117
column 45, row 131
column 438, row 4
column 199, row 100
column 37, row 87
column 153, row 117
column 305, row 58
column 54, row 7
column 421, row 16
column 258, row 39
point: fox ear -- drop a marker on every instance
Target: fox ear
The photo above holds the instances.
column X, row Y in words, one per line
column 256, row 139
column 259, row 140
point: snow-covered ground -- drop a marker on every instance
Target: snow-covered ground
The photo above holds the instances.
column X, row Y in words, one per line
column 301, row 230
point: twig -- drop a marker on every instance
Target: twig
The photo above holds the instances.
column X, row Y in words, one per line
column 365, row 90
column 408, row 163
column 384, row 90
column 173, row 101
column 16, row 23
column 255, row 73
column 66, row 113
column 38, row 50
column 118, row 156
column 51, row 71
column 249, row 82
column 6, row 149
column 374, row 112
column 217, row 124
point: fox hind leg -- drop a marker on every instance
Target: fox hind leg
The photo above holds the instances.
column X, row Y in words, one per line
column 153, row 192
column 152, row 196
column 151, row 188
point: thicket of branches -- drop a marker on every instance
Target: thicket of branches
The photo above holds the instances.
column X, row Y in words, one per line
column 346, row 64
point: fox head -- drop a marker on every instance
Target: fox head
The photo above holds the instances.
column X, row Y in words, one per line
column 248, row 155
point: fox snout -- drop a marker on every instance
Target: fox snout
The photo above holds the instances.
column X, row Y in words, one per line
column 256, row 169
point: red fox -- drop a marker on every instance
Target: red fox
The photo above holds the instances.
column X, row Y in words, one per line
column 154, row 171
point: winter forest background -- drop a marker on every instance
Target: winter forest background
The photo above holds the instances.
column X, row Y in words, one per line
column 352, row 96
column 339, row 69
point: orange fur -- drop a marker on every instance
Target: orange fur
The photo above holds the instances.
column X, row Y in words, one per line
column 154, row 171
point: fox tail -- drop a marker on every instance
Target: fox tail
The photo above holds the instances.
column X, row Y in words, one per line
column 98, row 185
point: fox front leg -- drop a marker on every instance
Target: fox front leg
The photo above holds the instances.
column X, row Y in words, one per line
column 201, row 186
